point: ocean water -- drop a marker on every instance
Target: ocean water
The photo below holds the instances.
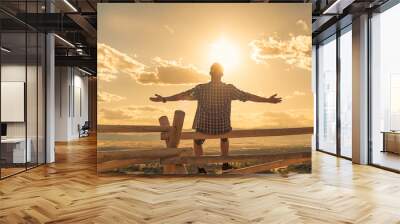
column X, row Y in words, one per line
column 211, row 146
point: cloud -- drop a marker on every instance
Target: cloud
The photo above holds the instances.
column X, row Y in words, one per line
column 302, row 24
column 287, row 119
column 149, row 115
column 295, row 94
column 106, row 97
column 106, row 77
column 133, row 114
column 296, row 51
column 140, row 109
column 169, row 29
column 111, row 62
column 274, row 119
column 171, row 73
column 299, row 93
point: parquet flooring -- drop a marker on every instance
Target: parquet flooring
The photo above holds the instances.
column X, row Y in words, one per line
column 69, row 191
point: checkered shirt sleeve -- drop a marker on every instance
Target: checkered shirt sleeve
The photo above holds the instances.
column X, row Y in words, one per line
column 192, row 93
column 237, row 94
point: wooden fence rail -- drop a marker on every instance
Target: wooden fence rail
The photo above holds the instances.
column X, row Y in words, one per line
column 173, row 159
column 131, row 128
column 245, row 133
column 269, row 157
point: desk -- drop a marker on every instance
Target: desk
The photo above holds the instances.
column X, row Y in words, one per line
column 13, row 150
column 391, row 141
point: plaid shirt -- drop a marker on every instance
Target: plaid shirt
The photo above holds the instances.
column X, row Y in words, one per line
column 213, row 114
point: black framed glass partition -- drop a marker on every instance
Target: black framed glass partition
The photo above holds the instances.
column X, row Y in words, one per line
column 334, row 94
column 22, row 77
column 326, row 90
column 385, row 89
column 14, row 153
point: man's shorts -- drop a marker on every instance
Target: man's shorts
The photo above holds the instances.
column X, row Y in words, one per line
column 201, row 141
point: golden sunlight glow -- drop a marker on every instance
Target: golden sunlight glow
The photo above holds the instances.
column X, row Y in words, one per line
column 225, row 53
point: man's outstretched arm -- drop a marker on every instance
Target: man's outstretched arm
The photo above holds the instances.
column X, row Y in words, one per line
column 260, row 99
column 238, row 94
column 176, row 97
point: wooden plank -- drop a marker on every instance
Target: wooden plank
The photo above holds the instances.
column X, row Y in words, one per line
column 177, row 124
column 198, row 160
column 118, row 164
column 173, row 139
column 106, row 154
column 164, row 122
column 131, row 128
column 246, row 133
column 267, row 166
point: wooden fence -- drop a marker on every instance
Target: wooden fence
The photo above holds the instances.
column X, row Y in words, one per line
column 173, row 159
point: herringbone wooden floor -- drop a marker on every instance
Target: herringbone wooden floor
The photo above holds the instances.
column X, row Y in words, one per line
column 69, row 191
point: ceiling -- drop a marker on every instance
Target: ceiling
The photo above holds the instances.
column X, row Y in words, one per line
column 75, row 22
column 332, row 15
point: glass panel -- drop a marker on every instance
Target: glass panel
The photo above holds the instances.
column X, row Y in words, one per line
column 32, row 90
column 22, row 89
column 346, row 94
column 327, row 96
column 41, row 99
column 13, row 89
column 385, row 94
column 31, row 100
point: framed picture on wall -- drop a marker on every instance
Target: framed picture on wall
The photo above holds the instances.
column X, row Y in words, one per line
column 204, row 88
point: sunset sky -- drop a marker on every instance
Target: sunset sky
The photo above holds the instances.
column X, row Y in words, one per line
column 145, row 49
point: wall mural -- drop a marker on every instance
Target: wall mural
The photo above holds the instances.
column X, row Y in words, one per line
column 212, row 89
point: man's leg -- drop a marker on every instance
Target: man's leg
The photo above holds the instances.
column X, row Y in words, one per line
column 225, row 152
column 198, row 151
column 198, row 146
column 224, row 147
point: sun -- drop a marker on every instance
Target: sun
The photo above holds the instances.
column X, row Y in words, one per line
column 224, row 52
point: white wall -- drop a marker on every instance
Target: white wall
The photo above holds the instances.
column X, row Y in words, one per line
column 80, row 110
column 71, row 102
column 16, row 73
column 33, row 126
column 12, row 73
column 62, row 81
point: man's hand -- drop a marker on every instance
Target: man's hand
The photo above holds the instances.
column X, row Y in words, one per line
column 158, row 98
column 274, row 99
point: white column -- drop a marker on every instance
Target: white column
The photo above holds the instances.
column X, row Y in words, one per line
column 50, row 92
column 50, row 99
column 63, row 101
column 360, row 90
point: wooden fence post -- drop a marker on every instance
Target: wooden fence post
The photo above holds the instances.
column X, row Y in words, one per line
column 164, row 122
column 173, row 139
column 177, row 124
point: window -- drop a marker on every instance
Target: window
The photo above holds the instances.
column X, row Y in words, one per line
column 346, row 93
column 327, row 95
column 385, row 89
